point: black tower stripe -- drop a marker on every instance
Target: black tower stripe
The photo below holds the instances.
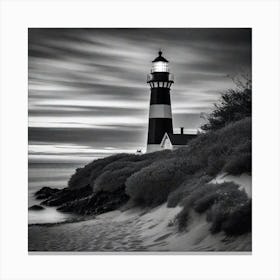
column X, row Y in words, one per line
column 160, row 96
column 157, row 128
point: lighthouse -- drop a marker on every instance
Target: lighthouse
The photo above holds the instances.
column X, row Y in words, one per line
column 160, row 114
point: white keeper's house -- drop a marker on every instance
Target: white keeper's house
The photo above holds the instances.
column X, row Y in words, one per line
column 172, row 141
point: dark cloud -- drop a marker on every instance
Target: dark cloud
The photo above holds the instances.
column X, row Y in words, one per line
column 117, row 136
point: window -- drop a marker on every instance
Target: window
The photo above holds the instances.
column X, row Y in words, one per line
column 160, row 66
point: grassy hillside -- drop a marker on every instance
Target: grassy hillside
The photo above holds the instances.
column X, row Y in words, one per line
column 178, row 177
column 225, row 150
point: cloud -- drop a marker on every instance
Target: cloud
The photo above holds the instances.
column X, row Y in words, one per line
column 117, row 136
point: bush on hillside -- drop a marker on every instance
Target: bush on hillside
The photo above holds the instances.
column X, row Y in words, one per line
column 205, row 202
column 220, row 214
column 224, row 204
column 113, row 178
column 183, row 217
column 212, row 150
column 244, row 147
column 234, row 105
column 239, row 164
column 215, row 164
column 152, row 184
column 113, row 175
column 84, row 176
column 184, row 190
column 193, row 201
column 190, row 201
column 191, row 191
column 239, row 221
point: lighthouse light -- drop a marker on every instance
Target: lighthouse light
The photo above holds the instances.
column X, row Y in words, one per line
column 160, row 66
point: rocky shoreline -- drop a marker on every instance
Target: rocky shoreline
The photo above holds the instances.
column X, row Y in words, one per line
column 81, row 201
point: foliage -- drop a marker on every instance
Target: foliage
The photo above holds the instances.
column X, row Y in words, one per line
column 238, row 164
column 224, row 204
column 234, row 105
column 223, row 214
column 211, row 151
column 239, row 221
column 87, row 174
column 184, row 190
column 115, row 175
column 152, row 184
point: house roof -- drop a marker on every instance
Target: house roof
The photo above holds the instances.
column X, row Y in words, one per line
column 180, row 139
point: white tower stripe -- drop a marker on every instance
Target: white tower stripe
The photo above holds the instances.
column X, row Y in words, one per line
column 153, row 148
column 160, row 111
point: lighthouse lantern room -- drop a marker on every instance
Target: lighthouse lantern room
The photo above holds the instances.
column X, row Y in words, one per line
column 160, row 115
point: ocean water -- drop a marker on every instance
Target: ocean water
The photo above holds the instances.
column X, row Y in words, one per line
column 54, row 175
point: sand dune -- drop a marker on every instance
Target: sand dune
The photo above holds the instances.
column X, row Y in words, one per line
column 134, row 230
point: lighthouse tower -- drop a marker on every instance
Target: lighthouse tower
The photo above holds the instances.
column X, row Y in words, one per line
column 160, row 115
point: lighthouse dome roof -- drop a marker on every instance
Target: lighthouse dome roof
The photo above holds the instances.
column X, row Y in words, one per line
column 160, row 58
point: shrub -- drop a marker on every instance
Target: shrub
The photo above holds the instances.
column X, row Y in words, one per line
column 183, row 217
column 185, row 188
column 152, row 184
column 215, row 164
column 239, row 221
column 212, row 150
column 203, row 191
column 234, row 105
column 194, row 194
column 216, row 216
column 221, row 214
column 85, row 176
column 239, row 164
column 99, row 168
column 115, row 175
column 244, row 147
column 219, row 201
column 204, row 203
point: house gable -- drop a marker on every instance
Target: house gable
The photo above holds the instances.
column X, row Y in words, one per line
column 171, row 141
column 166, row 143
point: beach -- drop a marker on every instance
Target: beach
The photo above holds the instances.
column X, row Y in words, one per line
column 134, row 230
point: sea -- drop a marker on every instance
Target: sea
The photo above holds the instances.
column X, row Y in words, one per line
column 55, row 175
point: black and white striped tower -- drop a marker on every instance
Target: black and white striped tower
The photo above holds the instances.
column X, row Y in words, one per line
column 160, row 115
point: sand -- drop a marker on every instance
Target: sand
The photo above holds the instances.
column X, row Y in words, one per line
column 244, row 181
column 141, row 230
column 134, row 230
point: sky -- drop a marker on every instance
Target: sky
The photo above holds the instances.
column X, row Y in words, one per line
column 88, row 96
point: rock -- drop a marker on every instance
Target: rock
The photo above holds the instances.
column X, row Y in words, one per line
column 96, row 203
column 36, row 207
column 83, row 201
column 45, row 192
column 65, row 195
